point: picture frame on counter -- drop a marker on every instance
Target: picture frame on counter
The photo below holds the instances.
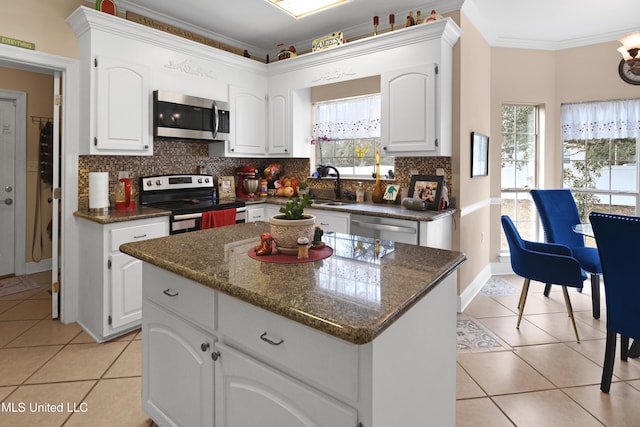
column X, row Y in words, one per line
column 427, row 188
column 226, row 187
column 479, row 155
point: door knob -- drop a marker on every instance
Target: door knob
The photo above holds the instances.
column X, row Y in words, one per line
column 8, row 201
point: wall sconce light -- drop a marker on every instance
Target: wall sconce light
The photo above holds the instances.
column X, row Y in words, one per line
column 629, row 68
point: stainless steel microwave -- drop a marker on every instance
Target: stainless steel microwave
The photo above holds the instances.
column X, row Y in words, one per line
column 188, row 117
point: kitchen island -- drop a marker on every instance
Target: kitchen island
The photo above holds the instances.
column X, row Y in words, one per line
column 353, row 339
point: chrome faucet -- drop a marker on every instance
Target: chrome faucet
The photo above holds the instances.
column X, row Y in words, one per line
column 323, row 170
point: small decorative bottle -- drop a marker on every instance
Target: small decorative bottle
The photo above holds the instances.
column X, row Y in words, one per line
column 303, row 247
column 360, row 193
column 378, row 195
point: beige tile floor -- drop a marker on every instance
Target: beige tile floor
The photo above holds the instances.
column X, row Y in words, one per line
column 75, row 381
column 540, row 376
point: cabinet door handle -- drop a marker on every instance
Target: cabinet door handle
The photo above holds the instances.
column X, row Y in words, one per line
column 168, row 293
column 140, row 236
column 215, row 355
column 264, row 338
column 205, row 346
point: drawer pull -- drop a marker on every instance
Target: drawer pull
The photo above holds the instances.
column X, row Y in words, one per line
column 264, row 338
column 204, row 346
column 168, row 293
column 140, row 236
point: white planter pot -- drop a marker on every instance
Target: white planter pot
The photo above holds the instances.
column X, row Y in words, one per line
column 286, row 232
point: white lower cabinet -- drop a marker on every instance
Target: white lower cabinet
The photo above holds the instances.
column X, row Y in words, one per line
column 209, row 359
column 437, row 233
column 125, row 274
column 255, row 213
column 178, row 370
column 337, row 222
column 110, row 294
column 254, row 394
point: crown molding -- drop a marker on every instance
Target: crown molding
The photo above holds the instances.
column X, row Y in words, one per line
column 445, row 30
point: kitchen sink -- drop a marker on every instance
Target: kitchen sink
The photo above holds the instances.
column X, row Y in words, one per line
column 333, row 203
column 336, row 203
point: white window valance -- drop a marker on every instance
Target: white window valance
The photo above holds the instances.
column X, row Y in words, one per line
column 347, row 118
column 606, row 119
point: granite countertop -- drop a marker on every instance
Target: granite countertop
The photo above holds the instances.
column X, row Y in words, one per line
column 113, row 215
column 352, row 295
column 371, row 209
column 388, row 210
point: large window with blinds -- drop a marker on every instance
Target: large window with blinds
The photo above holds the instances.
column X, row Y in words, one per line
column 600, row 155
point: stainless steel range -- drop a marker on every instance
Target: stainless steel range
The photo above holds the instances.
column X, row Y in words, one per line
column 187, row 197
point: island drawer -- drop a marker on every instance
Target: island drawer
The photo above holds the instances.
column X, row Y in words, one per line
column 190, row 300
column 312, row 356
column 137, row 233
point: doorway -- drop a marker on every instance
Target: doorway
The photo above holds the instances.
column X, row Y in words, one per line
column 63, row 69
column 26, row 180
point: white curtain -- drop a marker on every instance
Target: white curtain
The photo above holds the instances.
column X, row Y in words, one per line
column 606, row 119
column 348, row 118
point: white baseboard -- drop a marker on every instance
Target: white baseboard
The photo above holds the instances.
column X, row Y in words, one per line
column 38, row 267
column 465, row 298
column 497, row 268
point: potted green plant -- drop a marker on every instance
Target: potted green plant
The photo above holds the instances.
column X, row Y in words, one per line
column 303, row 188
column 292, row 223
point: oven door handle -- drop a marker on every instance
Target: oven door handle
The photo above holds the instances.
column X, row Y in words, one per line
column 187, row 216
column 199, row 214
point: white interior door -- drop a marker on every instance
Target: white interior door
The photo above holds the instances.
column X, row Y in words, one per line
column 8, row 185
column 55, row 204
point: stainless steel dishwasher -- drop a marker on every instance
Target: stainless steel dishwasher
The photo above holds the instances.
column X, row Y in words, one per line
column 397, row 230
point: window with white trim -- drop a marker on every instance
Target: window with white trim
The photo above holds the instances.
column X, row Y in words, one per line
column 346, row 134
column 519, row 168
column 600, row 156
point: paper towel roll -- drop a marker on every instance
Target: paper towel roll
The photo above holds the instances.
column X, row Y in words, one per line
column 98, row 190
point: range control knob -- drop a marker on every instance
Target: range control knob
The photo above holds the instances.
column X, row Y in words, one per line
column 149, row 183
column 206, row 180
column 158, row 182
column 199, row 180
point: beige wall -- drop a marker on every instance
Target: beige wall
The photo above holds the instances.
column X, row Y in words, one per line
column 42, row 22
column 549, row 79
column 474, row 92
column 357, row 87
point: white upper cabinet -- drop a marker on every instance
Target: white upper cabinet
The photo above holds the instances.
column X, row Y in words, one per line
column 121, row 107
column 279, row 107
column 289, row 122
column 248, row 125
column 415, row 66
column 409, row 111
column 270, row 103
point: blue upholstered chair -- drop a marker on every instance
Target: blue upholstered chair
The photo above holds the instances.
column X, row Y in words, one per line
column 558, row 214
column 542, row 262
column 617, row 237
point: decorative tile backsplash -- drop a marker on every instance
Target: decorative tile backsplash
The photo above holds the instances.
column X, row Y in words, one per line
column 179, row 157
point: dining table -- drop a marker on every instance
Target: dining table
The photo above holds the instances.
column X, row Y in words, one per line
column 587, row 230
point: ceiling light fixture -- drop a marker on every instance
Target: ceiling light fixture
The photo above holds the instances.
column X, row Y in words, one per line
column 300, row 8
column 629, row 68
